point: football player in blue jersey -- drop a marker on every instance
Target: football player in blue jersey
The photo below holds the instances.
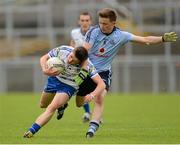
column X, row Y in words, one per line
column 103, row 42
column 61, row 86
column 77, row 39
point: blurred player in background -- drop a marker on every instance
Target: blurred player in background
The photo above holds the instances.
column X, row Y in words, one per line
column 77, row 39
column 103, row 42
column 61, row 86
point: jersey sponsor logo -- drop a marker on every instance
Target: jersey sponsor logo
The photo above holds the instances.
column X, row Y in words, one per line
column 102, row 50
column 101, row 53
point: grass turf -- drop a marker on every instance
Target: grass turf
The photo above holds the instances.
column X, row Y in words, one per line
column 128, row 119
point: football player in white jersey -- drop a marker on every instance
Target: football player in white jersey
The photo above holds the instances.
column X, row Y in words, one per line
column 103, row 42
column 61, row 86
column 77, row 39
column 78, row 34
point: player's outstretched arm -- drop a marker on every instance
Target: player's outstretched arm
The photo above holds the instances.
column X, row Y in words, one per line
column 167, row 37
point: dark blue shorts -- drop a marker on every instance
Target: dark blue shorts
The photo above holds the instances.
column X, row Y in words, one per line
column 54, row 85
column 89, row 85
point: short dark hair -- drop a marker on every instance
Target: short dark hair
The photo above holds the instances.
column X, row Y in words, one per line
column 86, row 14
column 108, row 13
column 81, row 53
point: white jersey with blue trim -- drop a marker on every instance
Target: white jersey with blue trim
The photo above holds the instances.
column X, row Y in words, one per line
column 70, row 70
column 105, row 46
column 78, row 36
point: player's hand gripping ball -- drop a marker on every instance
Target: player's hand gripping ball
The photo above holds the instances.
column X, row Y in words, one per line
column 55, row 62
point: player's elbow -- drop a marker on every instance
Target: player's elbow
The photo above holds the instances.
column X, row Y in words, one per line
column 102, row 85
column 77, row 105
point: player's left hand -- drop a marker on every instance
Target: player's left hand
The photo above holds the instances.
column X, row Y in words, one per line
column 51, row 71
column 88, row 98
column 169, row 37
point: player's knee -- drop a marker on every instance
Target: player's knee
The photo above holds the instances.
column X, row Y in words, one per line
column 99, row 100
column 79, row 101
column 79, row 104
column 52, row 108
column 42, row 105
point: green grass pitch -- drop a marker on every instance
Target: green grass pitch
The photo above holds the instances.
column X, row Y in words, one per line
column 128, row 119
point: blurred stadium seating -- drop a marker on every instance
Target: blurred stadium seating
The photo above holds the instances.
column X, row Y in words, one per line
column 30, row 28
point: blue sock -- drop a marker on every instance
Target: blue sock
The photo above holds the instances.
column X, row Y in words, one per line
column 93, row 126
column 86, row 107
column 34, row 128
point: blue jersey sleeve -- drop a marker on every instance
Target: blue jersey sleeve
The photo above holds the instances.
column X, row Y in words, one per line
column 91, row 35
column 128, row 36
column 91, row 68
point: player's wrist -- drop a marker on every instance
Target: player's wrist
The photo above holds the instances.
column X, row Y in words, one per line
column 84, row 70
column 92, row 96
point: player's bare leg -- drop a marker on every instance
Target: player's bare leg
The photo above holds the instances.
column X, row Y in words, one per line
column 59, row 100
column 96, row 115
column 46, row 99
column 80, row 103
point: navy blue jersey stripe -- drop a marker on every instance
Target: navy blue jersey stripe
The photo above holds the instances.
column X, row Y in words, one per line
column 66, row 48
